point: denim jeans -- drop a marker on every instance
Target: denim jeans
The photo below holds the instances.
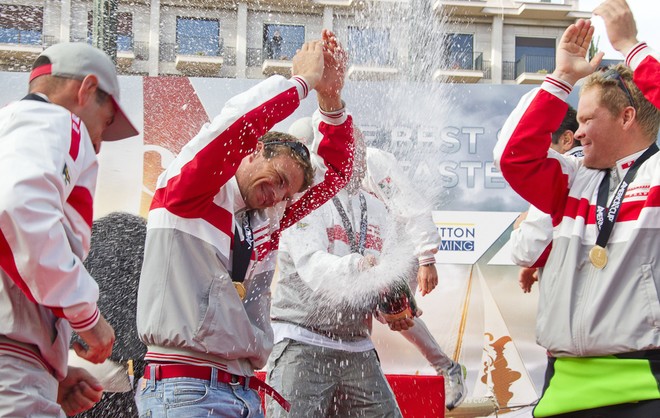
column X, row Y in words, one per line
column 184, row 397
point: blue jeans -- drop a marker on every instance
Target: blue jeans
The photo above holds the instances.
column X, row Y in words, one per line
column 184, row 397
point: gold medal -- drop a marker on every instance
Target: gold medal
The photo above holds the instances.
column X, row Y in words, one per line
column 240, row 289
column 598, row 256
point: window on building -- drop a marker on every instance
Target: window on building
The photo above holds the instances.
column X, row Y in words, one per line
column 458, row 50
column 535, row 55
column 369, row 46
column 280, row 42
column 21, row 24
column 196, row 36
column 124, row 30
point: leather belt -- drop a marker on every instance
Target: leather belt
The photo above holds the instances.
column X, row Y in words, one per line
column 169, row 371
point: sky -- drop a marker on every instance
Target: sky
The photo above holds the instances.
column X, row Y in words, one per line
column 647, row 15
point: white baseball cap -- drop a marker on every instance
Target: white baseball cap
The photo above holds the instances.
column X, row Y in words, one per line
column 303, row 129
column 77, row 60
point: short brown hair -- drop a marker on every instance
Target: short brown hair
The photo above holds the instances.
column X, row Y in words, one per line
column 615, row 99
column 279, row 147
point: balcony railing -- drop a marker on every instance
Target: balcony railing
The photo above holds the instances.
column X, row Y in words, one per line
column 508, row 70
column 141, row 50
column 487, row 70
column 374, row 58
column 254, row 57
column 169, row 51
column 535, row 64
column 49, row 40
column 464, row 61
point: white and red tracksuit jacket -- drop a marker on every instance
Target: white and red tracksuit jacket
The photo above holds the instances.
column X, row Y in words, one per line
column 48, row 171
column 585, row 311
column 188, row 309
column 314, row 253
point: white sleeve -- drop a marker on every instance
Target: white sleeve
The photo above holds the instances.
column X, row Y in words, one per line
column 391, row 185
column 36, row 179
column 531, row 238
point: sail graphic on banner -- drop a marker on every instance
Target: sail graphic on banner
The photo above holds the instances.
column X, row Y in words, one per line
column 503, row 372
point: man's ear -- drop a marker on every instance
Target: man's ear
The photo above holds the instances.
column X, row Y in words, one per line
column 567, row 141
column 629, row 115
column 258, row 149
column 87, row 90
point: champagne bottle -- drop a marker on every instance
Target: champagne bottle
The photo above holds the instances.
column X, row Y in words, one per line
column 397, row 302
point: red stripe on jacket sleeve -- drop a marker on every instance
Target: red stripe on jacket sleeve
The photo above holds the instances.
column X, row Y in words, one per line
column 525, row 164
column 82, row 201
column 647, row 79
column 74, row 148
column 9, row 266
column 543, row 258
column 576, row 208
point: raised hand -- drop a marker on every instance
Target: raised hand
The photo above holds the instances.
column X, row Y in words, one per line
column 335, row 60
column 572, row 64
column 619, row 24
column 308, row 62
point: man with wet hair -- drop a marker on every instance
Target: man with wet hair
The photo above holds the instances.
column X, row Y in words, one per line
column 48, row 170
column 213, row 234
column 599, row 306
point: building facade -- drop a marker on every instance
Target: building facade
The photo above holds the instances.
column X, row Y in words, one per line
column 469, row 41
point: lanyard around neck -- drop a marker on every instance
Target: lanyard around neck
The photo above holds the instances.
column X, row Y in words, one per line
column 242, row 251
column 605, row 217
column 355, row 247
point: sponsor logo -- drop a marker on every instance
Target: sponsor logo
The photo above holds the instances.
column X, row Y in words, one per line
column 65, row 175
column 386, row 186
column 457, row 237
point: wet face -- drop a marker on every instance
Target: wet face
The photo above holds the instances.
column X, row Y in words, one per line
column 266, row 182
column 599, row 132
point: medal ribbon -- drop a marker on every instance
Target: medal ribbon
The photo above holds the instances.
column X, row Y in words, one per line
column 605, row 217
column 355, row 247
column 242, row 251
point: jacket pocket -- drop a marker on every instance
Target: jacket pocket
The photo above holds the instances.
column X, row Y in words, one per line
column 651, row 294
column 207, row 310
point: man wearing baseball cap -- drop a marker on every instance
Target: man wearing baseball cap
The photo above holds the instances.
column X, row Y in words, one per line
column 48, row 170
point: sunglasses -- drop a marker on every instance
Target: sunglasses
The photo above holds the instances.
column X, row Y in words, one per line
column 297, row 147
column 612, row 74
